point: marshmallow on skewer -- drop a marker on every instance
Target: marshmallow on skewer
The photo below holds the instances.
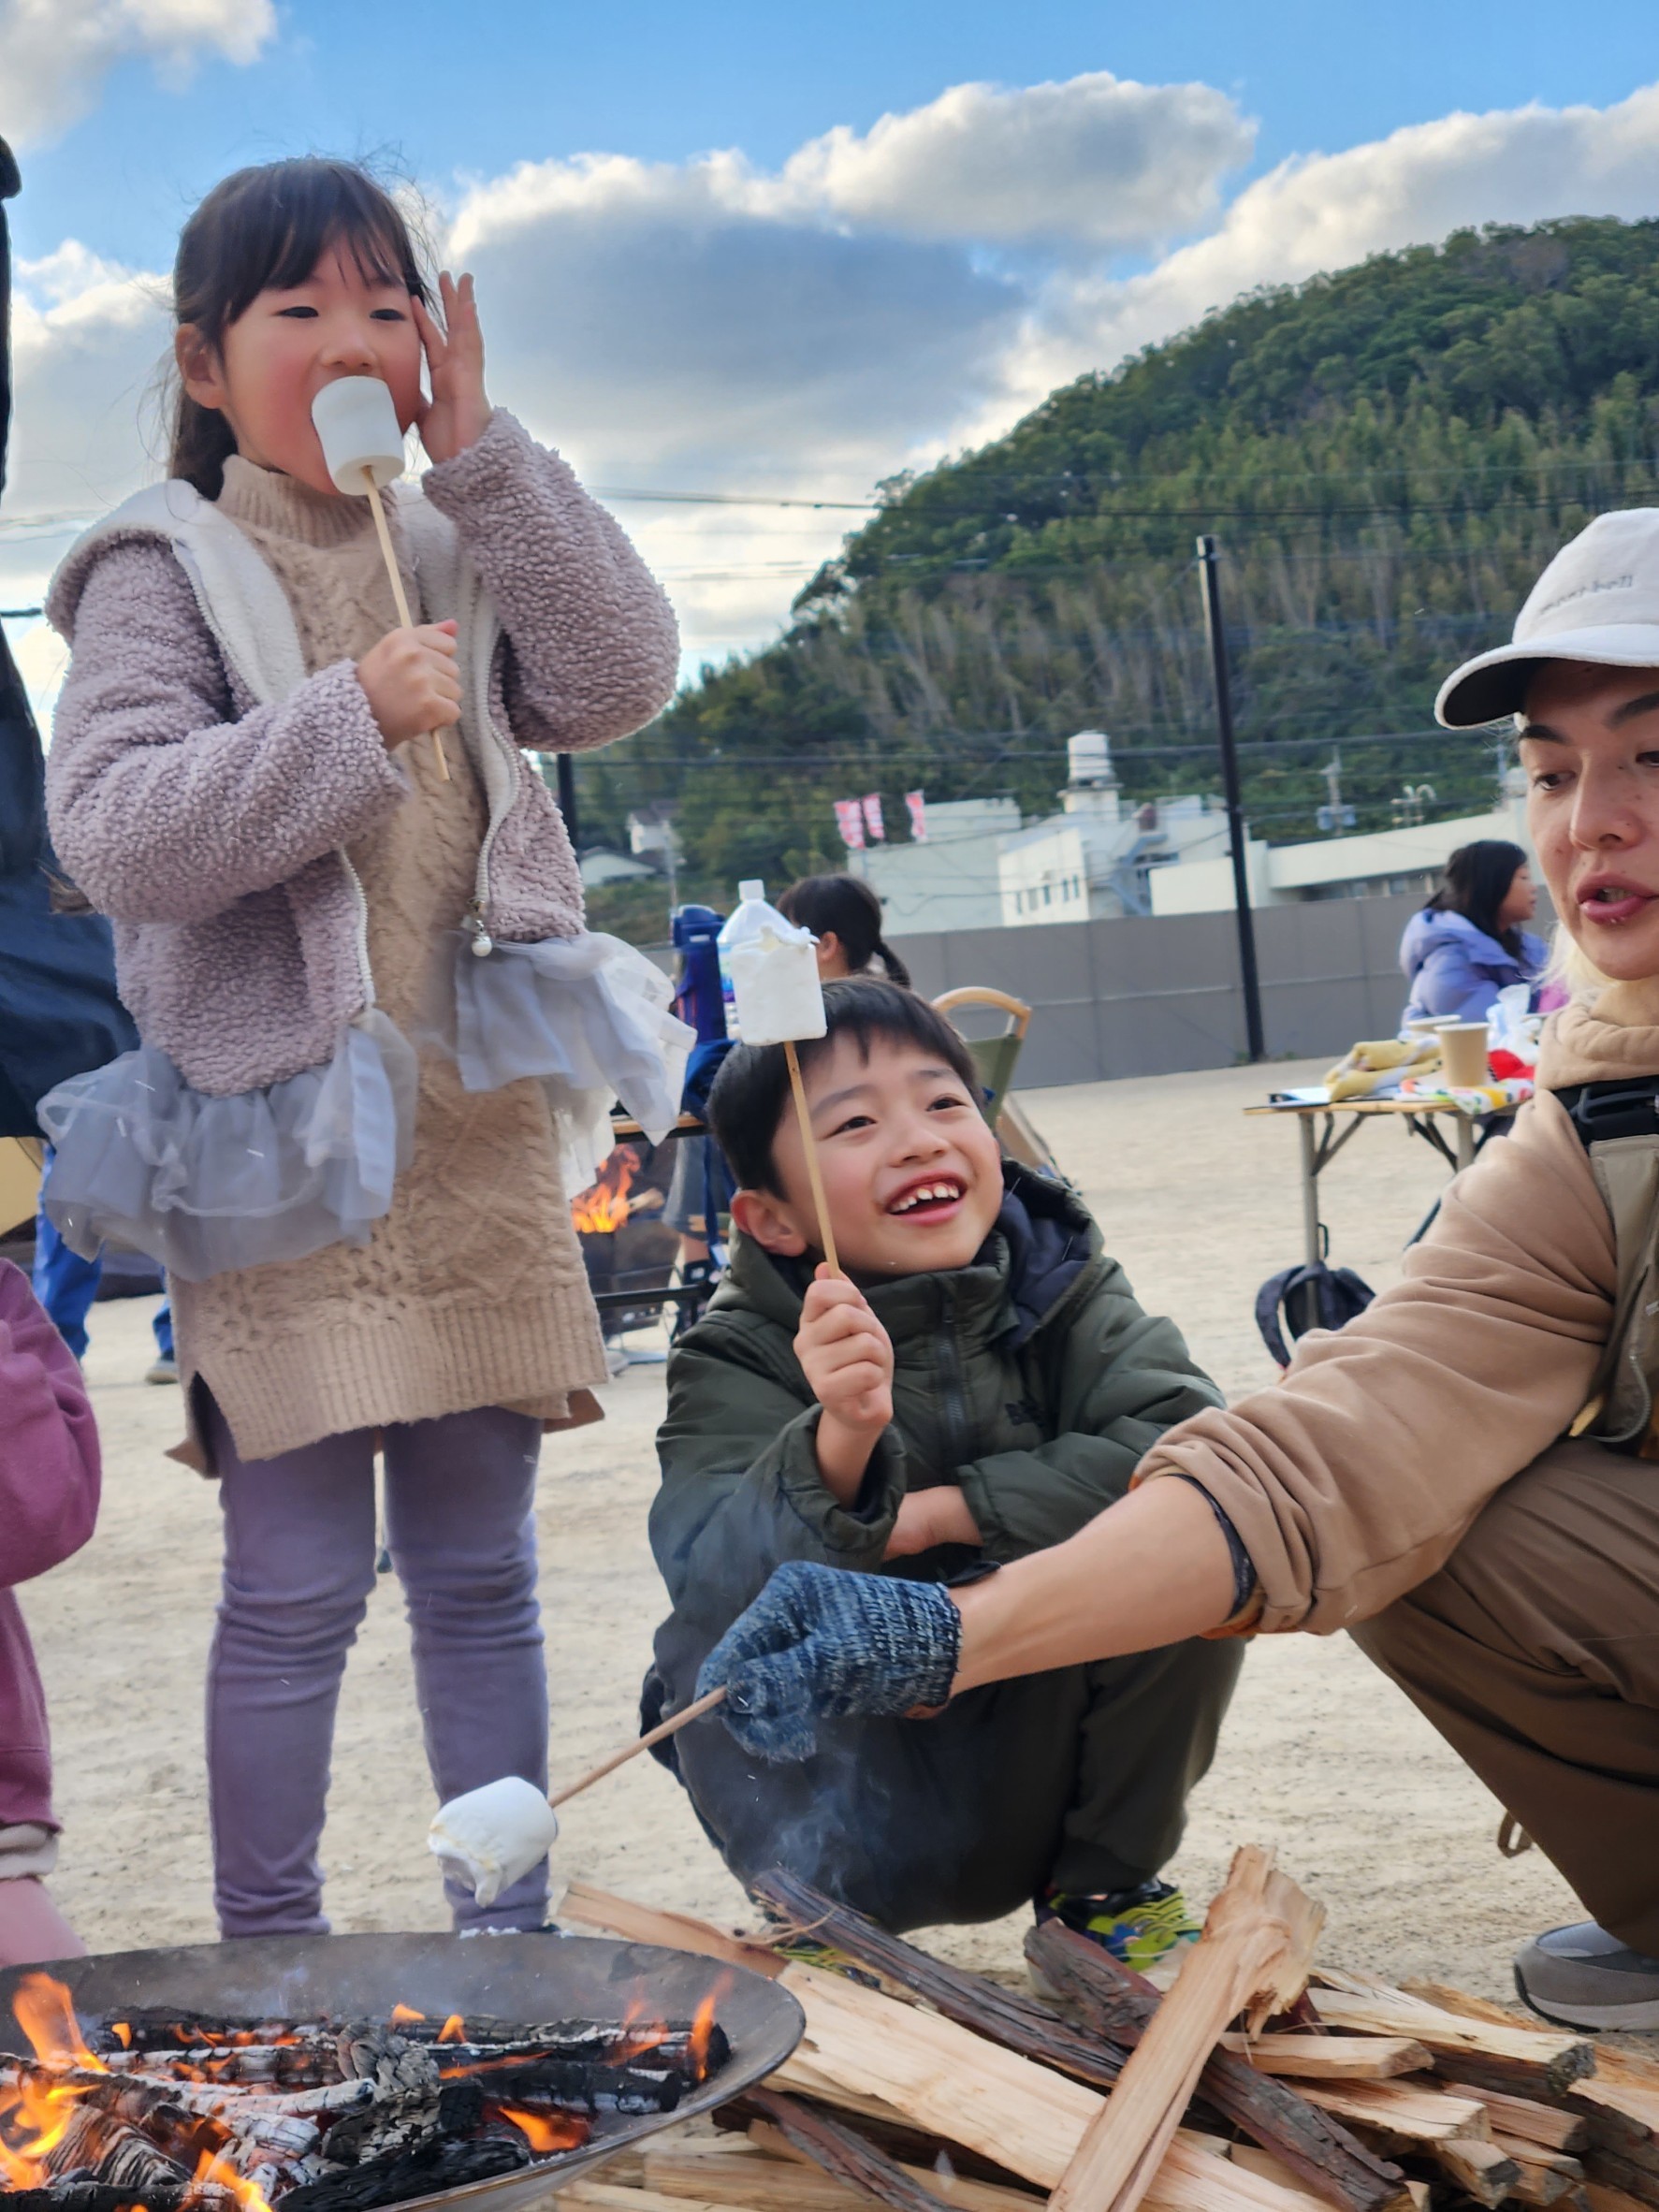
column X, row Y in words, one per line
column 363, row 449
column 492, row 1838
column 775, row 979
column 357, row 424
column 779, row 999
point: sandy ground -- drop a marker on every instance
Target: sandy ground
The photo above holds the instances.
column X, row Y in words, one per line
column 1321, row 1756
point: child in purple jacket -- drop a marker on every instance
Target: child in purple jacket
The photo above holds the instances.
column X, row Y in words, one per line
column 49, row 1501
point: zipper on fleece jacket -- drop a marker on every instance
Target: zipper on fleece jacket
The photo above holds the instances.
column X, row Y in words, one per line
column 952, row 1394
column 477, row 913
column 360, row 927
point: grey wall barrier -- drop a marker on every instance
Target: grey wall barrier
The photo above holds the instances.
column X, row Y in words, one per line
column 1157, row 996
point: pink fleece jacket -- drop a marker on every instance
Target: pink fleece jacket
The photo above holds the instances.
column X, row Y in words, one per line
column 49, row 1501
column 212, row 830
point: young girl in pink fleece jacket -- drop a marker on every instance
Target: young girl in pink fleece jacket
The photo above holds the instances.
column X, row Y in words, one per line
column 362, row 988
column 49, row 1501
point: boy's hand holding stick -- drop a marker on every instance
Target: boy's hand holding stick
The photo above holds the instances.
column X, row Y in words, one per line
column 847, row 1358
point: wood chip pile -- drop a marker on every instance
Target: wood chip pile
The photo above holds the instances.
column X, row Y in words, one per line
column 1262, row 2082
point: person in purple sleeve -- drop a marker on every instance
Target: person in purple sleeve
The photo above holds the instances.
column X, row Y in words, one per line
column 49, row 1501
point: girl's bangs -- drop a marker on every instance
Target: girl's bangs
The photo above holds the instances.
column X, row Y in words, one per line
column 288, row 226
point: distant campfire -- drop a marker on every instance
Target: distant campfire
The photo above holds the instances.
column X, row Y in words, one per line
column 627, row 1248
column 603, row 1208
column 168, row 2111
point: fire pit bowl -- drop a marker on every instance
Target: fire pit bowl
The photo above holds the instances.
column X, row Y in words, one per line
column 527, row 1978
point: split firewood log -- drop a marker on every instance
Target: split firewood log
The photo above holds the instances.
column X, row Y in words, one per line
column 1253, row 1957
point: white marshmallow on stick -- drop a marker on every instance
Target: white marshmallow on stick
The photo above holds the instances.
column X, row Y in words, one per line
column 780, row 998
column 491, row 1836
column 363, row 449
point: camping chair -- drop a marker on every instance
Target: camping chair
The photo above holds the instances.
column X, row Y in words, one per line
column 995, row 1058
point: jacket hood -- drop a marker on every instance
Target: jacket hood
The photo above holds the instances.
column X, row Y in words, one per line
column 1429, row 930
column 1043, row 1241
column 1609, row 1041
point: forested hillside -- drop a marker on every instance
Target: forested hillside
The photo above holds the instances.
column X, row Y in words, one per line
column 1388, row 455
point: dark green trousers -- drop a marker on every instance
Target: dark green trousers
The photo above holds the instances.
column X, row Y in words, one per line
column 1078, row 1778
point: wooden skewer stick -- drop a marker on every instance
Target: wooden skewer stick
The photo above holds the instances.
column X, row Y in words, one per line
column 660, row 1734
column 827, row 1235
column 390, row 557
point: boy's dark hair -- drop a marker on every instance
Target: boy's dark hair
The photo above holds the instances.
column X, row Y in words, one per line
column 747, row 1103
column 271, row 226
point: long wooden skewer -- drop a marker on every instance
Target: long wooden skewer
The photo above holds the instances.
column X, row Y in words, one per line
column 392, row 570
column 827, row 1235
column 641, row 1743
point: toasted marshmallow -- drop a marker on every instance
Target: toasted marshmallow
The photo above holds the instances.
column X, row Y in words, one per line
column 491, row 1836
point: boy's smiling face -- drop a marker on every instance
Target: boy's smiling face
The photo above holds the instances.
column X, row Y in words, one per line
column 912, row 1173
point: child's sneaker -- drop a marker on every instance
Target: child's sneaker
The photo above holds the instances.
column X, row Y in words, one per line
column 1137, row 1927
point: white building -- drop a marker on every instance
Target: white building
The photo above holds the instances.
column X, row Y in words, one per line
column 1369, row 867
column 1095, row 859
column 951, row 883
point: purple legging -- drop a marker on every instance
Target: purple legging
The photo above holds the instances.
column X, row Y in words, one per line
column 300, row 1546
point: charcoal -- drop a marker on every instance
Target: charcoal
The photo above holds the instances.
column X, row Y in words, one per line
column 581, row 2087
column 96, row 2196
column 442, row 2163
column 461, row 2108
column 167, row 2027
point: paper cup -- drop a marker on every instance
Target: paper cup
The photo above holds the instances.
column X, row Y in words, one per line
column 1463, row 1053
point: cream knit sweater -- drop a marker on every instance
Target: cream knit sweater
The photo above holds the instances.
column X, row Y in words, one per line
column 472, row 1291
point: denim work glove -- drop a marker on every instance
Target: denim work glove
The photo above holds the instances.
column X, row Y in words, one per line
column 820, row 1643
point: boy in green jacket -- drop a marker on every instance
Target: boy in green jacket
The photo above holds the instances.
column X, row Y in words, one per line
column 977, row 1385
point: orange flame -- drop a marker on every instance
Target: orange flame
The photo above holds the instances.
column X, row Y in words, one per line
column 212, row 2169
column 454, row 2030
column 603, row 1208
column 46, row 2017
column 35, row 2115
column 703, row 2025
column 546, row 2132
column 405, row 2015
column 123, row 2034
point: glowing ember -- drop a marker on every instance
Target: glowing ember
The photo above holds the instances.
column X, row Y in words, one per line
column 544, row 2132
column 188, row 2115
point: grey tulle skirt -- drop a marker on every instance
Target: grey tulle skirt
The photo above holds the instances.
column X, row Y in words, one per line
column 205, row 1184
column 590, row 1017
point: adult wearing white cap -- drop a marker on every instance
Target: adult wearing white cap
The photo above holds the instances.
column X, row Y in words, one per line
column 1461, row 1477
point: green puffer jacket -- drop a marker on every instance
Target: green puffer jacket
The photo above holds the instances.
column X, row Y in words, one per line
column 1032, row 1378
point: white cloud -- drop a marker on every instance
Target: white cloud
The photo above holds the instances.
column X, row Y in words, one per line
column 57, row 53
column 1325, row 211
column 1099, row 161
column 876, row 300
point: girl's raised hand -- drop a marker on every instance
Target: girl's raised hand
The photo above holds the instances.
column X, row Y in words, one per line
column 457, row 412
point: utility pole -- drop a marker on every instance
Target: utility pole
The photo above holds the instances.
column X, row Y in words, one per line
column 1208, row 559
column 565, row 768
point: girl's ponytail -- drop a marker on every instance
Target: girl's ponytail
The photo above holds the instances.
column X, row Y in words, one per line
column 897, row 971
column 202, row 443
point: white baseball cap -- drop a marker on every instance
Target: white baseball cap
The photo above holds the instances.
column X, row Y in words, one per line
column 1598, row 599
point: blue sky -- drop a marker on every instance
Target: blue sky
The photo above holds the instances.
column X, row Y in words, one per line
column 666, row 78
column 781, row 252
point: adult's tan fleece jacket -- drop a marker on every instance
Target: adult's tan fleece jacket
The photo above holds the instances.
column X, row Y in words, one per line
column 1355, row 1478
